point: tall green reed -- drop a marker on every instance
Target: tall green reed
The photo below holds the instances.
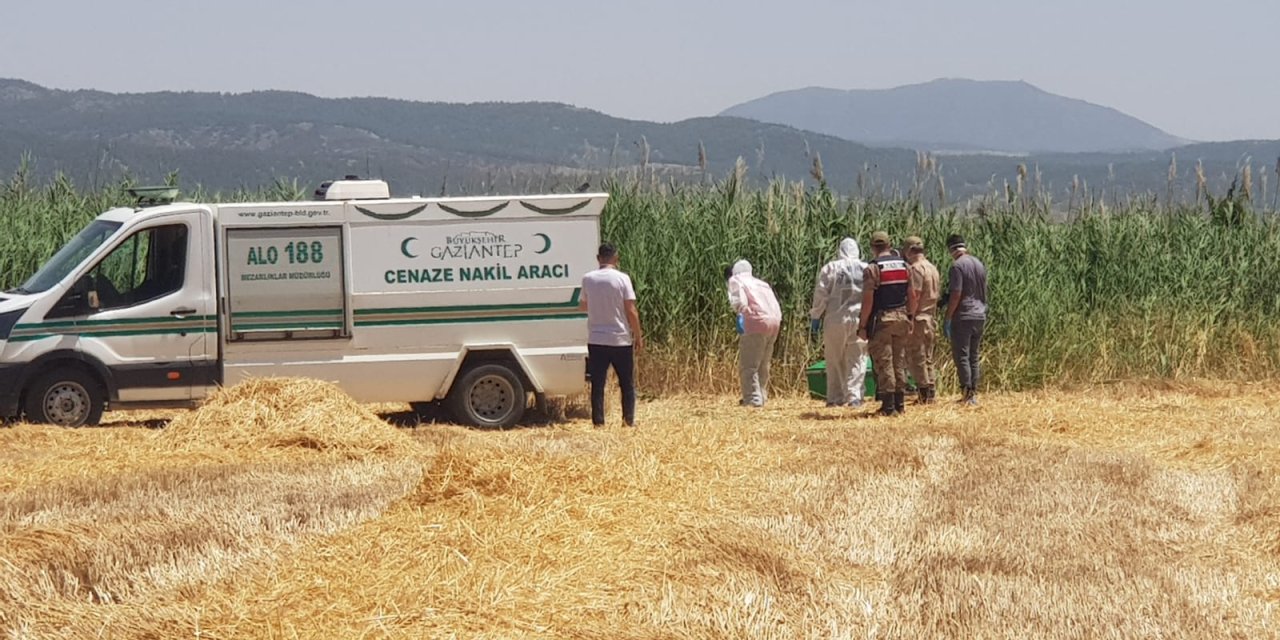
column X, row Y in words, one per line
column 1095, row 293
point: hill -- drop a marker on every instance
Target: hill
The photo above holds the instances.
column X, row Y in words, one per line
column 228, row 140
column 959, row 115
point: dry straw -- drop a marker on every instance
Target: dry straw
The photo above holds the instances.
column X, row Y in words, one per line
column 266, row 413
column 1143, row 510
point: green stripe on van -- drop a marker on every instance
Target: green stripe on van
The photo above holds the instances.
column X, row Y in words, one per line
column 301, row 320
column 403, row 322
column 99, row 323
column 284, row 326
column 286, row 314
column 304, row 320
column 571, row 304
column 108, row 332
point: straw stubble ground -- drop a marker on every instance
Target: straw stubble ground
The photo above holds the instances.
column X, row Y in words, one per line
column 1130, row 512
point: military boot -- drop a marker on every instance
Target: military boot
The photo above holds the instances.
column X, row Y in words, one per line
column 928, row 394
column 900, row 402
column 887, row 407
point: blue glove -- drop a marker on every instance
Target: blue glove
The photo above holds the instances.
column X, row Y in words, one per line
column 742, row 326
column 815, row 325
column 946, row 329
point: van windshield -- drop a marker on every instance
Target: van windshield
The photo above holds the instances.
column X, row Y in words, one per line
column 69, row 257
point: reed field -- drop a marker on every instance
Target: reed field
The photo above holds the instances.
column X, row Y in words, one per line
column 1118, row 480
column 1091, row 293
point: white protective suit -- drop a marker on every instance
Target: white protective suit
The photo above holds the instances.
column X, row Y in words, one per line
column 837, row 301
column 753, row 299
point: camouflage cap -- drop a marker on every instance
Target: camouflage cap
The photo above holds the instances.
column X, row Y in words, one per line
column 879, row 239
column 912, row 242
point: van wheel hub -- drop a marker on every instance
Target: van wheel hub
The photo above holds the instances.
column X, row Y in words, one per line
column 492, row 397
column 66, row 404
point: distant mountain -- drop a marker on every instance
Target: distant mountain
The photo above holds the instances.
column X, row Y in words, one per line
column 229, row 140
column 225, row 141
column 960, row 115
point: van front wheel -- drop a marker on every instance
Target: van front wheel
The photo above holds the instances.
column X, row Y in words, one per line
column 489, row 395
column 65, row 397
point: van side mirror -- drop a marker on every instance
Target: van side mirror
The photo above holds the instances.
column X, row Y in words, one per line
column 81, row 300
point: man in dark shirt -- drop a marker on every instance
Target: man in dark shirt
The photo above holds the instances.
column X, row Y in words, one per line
column 966, row 315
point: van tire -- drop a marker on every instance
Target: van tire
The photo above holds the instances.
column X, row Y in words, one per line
column 66, row 397
column 488, row 395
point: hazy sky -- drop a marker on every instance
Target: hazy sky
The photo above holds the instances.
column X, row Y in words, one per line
column 1198, row 69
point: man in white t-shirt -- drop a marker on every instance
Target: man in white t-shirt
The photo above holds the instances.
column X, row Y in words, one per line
column 614, row 333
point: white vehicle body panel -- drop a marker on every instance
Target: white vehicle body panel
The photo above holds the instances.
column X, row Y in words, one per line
column 384, row 297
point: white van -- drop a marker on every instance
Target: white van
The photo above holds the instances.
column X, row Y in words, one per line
column 474, row 301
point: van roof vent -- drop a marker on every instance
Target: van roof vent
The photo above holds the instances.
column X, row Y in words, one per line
column 353, row 188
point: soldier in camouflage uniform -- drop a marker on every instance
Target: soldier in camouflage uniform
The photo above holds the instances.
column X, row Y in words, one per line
column 886, row 323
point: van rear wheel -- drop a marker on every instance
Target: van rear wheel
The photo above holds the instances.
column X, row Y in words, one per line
column 489, row 395
column 65, row 397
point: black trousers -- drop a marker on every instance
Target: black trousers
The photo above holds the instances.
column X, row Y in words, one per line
column 623, row 361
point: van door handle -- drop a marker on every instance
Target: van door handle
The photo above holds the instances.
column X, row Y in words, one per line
column 183, row 312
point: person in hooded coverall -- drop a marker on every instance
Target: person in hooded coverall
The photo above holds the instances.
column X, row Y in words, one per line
column 759, row 318
column 837, row 307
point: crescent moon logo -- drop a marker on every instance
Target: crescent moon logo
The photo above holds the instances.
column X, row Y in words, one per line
column 404, row 247
column 546, row 240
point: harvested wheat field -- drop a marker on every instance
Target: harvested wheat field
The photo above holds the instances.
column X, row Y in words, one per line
column 283, row 510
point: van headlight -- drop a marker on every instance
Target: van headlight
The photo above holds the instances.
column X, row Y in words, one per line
column 7, row 320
